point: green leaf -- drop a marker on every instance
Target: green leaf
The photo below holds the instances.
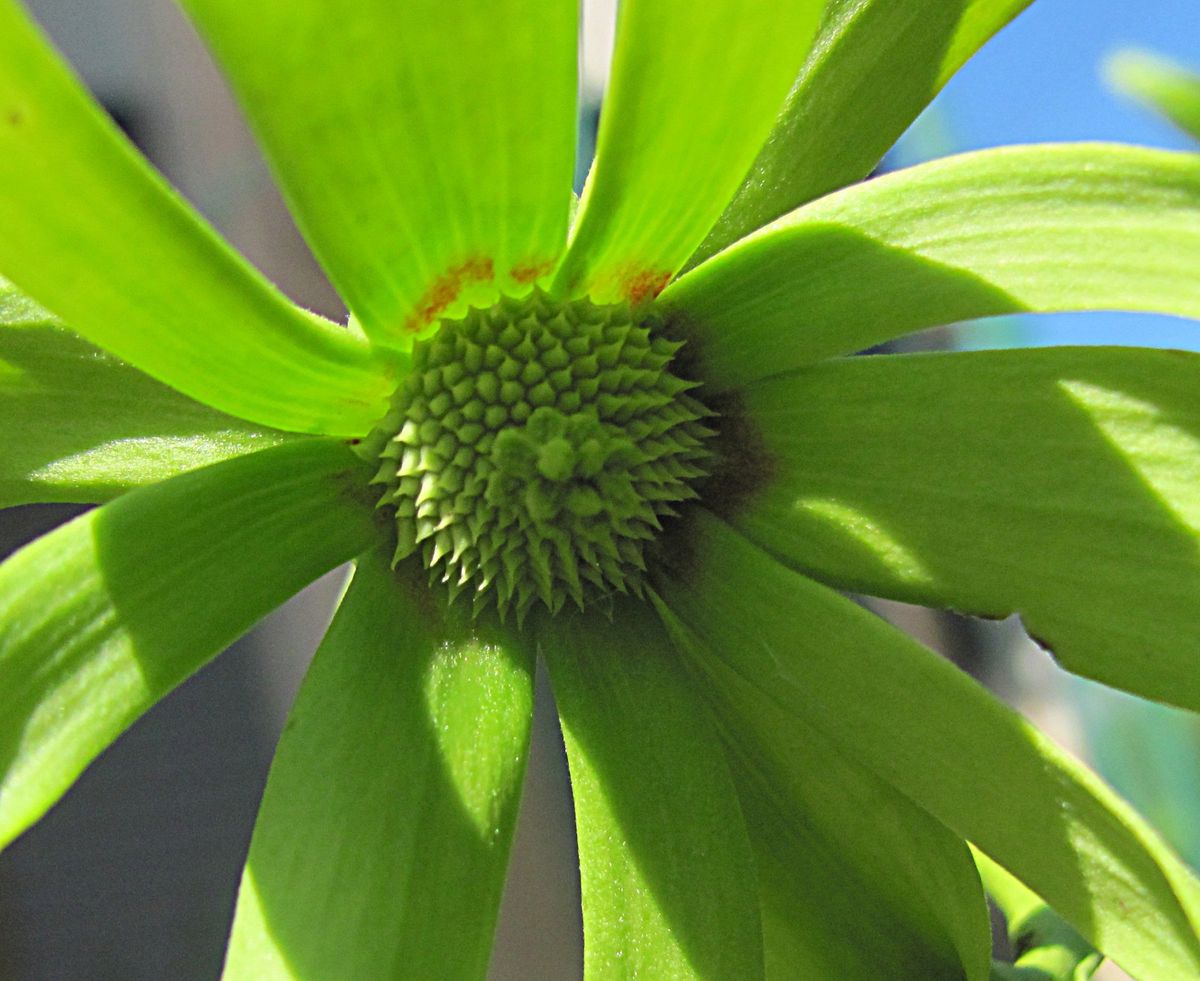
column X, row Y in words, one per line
column 936, row 736
column 683, row 117
column 1164, row 85
column 80, row 425
column 874, row 66
column 856, row 881
column 102, row 617
column 1060, row 483
column 1048, row 228
column 384, row 832
column 666, row 869
column 99, row 238
column 426, row 148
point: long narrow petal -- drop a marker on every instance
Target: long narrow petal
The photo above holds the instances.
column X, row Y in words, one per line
column 929, row 730
column 856, row 880
column 383, row 837
column 80, row 425
column 684, row 116
column 1047, row 228
column 874, row 66
column 90, row 231
column 1060, row 483
column 101, row 618
column 667, row 872
column 1170, row 88
column 427, row 148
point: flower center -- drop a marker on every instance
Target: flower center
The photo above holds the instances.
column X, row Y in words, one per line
column 534, row 450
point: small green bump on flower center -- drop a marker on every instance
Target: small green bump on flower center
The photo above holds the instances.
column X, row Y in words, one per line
column 535, row 449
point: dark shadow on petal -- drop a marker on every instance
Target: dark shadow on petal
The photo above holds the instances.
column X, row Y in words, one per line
column 925, row 728
column 655, row 806
column 1055, row 483
column 73, row 416
column 384, row 832
column 855, row 880
column 108, row 613
column 823, row 290
column 846, row 109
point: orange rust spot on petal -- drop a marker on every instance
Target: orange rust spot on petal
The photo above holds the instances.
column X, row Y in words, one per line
column 643, row 286
column 444, row 290
column 530, row 272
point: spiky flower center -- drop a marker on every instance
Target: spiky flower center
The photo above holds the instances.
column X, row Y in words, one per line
column 535, row 449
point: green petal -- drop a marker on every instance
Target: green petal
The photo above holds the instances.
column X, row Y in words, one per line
column 427, row 148
column 683, row 118
column 99, row 238
column 1059, row 483
column 80, row 425
column 874, row 66
column 666, row 869
column 1048, row 228
column 856, row 881
column 384, row 832
column 101, row 618
column 1043, row 942
column 1170, row 88
column 929, row 730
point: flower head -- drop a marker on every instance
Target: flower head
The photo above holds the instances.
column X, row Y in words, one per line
column 534, row 449
column 637, row 431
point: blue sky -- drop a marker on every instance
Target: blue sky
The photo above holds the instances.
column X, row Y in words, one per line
column 1041, row 79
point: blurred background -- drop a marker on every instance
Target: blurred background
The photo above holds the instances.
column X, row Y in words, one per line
column 133, row 876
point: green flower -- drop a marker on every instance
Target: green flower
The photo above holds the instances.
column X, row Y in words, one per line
column 638, row 433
